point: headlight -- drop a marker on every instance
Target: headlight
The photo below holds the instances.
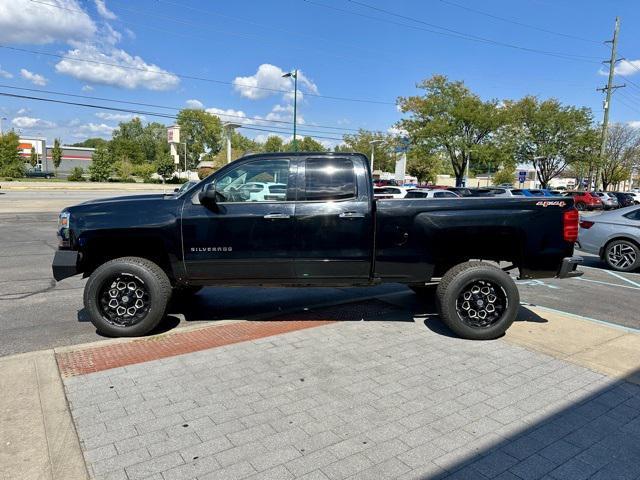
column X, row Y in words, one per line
column 63, row 229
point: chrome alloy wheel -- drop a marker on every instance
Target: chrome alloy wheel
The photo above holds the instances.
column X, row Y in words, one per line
column 481, row 303
column 124, row 300
column 622, row 255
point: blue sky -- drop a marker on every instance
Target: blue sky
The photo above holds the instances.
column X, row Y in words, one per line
column 366, row 54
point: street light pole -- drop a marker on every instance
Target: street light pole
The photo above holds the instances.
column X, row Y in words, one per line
column 373, row 144
column 185, row 156
column 294, row 74
column 228, row 130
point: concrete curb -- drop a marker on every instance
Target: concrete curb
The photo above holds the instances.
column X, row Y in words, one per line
column 37, row 433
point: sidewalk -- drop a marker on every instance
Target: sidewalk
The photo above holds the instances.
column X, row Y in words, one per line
column 309, row 397
column 43, row 186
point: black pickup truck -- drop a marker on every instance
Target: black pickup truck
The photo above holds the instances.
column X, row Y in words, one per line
column 310, row 220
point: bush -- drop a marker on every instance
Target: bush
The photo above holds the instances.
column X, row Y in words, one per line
column 123, row 169
column 77, row 175
column 144, row 171
column 13, row 170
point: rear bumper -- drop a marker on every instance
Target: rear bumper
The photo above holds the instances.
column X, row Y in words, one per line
column 569, row 267
column 65, row 264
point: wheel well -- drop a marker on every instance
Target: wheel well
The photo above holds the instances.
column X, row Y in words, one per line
column 99, row 251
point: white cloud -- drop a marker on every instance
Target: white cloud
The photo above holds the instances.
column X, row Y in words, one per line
column 100, row 129
column 230, row 115
column 398, row 132
column 193, row 103
column 634, row 124
column 103, row 11
column 34, row 78
column 22, row 111
column 87, row 88
column 268, row 81
column 123, row 70
column 628, row 67
column 5, row 74
column 118, row 117
column 27, row 22
column 110, row 35
column 32, row 123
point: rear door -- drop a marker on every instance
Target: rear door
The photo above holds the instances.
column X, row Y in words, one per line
column 334, row 219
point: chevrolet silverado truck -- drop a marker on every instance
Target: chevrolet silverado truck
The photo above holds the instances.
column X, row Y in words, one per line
column 310, row 220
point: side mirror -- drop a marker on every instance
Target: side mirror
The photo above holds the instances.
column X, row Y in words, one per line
column 207, row 195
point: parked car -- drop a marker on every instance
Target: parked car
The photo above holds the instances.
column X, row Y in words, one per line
column 390, row 192
column 326, row 231
column 585, row 200
column 35, row 173
column 430, row 193
column 386, row 183
column 506, row 192
column 624, row 199
column 471, row 192
column 185, row 186
column 635, row 196
column 614, row 237
column 609, row 201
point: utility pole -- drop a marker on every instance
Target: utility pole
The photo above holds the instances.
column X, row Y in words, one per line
column 608, row 90
column 294, row 74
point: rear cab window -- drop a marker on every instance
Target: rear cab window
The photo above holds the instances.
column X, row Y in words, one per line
column 329, row 179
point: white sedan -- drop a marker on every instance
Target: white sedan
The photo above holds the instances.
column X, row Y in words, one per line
column 260, row 192
column 391, row 192
column 431, row 193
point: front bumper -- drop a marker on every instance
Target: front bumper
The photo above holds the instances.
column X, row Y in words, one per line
column 65, row 264
column 569, row 267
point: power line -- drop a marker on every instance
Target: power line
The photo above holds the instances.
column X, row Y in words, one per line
column 189, row 77
column 153, row 105
column 450, row 32
column 521, row 24
column 161, row 115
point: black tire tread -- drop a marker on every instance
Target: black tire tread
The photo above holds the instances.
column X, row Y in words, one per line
column 445, row 314
column 157, row 272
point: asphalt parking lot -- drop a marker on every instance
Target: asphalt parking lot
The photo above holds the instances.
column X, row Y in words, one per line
column 38, row 313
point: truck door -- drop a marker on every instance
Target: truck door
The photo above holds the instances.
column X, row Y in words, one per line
column 249, row 234
column 334, row 223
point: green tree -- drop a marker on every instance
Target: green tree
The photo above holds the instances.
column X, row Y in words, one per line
column 11, row 164
column 507, row 174
column 424, row 166
column 244, row 145
column 306, row 144
column 93, row 142
column 202, row 133
column 126, row 143
column 101, row 165
column 360, row 142
column 56, row 155
column 622, row 154
column 273, row 144
column 144, row 171
column 449, row 118
column 33, row 157
column 550, row 136
column 124, row 169
column 165, row 165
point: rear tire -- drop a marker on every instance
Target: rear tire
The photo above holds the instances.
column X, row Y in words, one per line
column 127, row 297
column 622, row 256
column 581, row 206
column 477, row 300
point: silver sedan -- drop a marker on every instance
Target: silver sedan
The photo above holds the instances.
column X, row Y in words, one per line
column 614, row 237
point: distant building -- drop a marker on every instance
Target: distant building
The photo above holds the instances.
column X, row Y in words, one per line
column 71, row 156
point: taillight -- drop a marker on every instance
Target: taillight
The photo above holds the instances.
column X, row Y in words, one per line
column 586, row 224
column 570, row 220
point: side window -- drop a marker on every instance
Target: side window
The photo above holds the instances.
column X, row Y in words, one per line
column 635, row 215
column 257, row 181
column 440, row 195
column 329, row 179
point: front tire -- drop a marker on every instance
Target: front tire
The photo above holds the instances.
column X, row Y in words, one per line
column 622, row 255
column 477, row 300
column 581, row 206
column 127, row 297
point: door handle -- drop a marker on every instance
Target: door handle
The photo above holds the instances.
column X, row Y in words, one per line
column 351, row 215
column 276, row 216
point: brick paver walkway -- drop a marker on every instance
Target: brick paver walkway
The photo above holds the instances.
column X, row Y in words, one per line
column 361, row 400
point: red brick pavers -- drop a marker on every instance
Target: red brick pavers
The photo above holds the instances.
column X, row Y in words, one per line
column 112, row 355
